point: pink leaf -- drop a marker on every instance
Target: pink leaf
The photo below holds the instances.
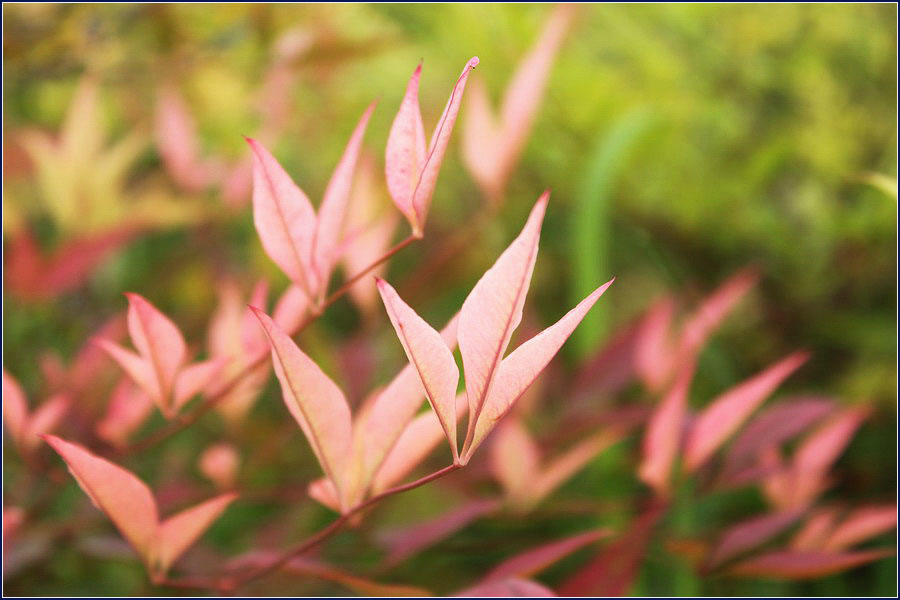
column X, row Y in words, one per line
column 323, row 491
column 507, row 588
column 818, row 451
column 815, row 530
column 15, row 407
column 291, row 309
column 518, row 370
column 613, row 571
column 860, row 525
column 663, row 436
column 125, row 499
column 411, row 172
column 138, row 369
column 176, row 140
column 430, row 356
column 751, row 534
column 194, row 378
column 786, row 564
column 493, row 310
column 491, row 150
column 284, row 218
column 45, row 419
column 537, row 559
column 159, row 343
column 219, row 463
column 515, row 459
column 334, row 202
column 405, row 150
column 438, row 147
column 392, row 410
column 727, row 412
column 714, row 309
column 316, row 403
column 128, row 502
column 128, row 408
column 177, row 533
column 413, row 539
column 773, row 426
column 415, row 443
column 653, row 353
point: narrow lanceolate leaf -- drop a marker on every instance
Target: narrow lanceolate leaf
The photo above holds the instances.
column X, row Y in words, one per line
column 125, row 499
column 177, row 533
column 392, row 410
column 812, row 535
column 727, row 412
column 129, row 406
column 405, row 150
column 176, row 141
column 284, row 217
column 790, row 565
column 714, row 309
column 751, row 534
column 493, row 310
column 438, row 146
column 140, row 370
column 862, row 524
column 334, row 203
column 15, row 407
column 410, row 170
column 315, row 402
column 44, row 419
column 291, row 309
column 515, row 459
column 818, row 451
column 158, row 341
column 519, row 370
column 414, row 444
column 194, row 378
column 537, row 559
column 663, row 436
column 507, row 588
column 481, row 141
column 429, row 355
column 653, row 353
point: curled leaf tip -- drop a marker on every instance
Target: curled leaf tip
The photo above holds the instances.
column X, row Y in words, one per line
column 473, row 62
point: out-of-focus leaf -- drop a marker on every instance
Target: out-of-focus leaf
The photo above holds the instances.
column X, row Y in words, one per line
column 129, row 407
column 219, row 463
column 534, row 561
column 403, row 543
column 507, row 588
column 727, row 412
column 786, row 564
column 26, row 427
column 860, row 525
column 750, row 534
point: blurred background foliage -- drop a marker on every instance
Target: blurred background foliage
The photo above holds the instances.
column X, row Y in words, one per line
column 681, row 142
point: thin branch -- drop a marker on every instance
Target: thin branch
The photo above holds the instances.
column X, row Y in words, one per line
column 229, row 585
column 186, row 420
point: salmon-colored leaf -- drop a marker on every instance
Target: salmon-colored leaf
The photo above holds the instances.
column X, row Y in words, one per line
column 314, row 400
column 860, row 525
column 160, row 344
column 493, row 310
column 519, row 370
column 812, row 535
column 515, row 459
column 392, row 410
column 653, row 352
column 428, row 175
column 790, row 565
column 727, row 412
column 219, row 463
column 44, row 419
column 334, row 203
column 139, row 370
column 128, row 408
column 177, row 533
column 405, row 150
column 285, row 219
column 194, row 378
column 15, row 407
column 432, row 359
column 125, row 499
column 507, row 588
column 290, row 309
